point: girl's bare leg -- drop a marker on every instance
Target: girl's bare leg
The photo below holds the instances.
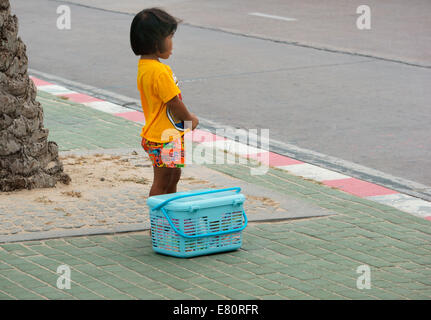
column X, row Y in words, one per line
column 161, row 181
column 175, row 177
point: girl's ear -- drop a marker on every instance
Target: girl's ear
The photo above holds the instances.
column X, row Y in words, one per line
column 158, row 45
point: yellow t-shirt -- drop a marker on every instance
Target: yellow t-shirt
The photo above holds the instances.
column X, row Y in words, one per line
column 157, row 85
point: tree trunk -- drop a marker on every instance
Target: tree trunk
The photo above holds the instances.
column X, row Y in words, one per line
column 27, row 159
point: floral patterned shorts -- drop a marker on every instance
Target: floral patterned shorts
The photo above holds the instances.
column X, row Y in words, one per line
column 165, row 155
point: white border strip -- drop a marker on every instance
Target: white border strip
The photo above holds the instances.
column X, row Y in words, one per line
column 264, row 15
column 108, row 107
column 415, row 206
column 55, row 89
column 310, row 171
column 233, row 147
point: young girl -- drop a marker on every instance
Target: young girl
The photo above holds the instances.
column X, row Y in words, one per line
column 162, row 135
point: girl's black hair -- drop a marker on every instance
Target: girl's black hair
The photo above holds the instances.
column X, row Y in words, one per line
column 148, row 30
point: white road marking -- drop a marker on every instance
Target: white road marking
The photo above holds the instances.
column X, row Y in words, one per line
column 415, row 206
column 310, row 171
column 108, row 107
column 55, row 89
column 234, row 147
column 264, row 15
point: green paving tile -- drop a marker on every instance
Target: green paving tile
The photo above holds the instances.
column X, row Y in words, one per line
column 230, row 259
column 4, row 266
column 203, row 294
column 113, row 294
column 415, row 285
column 117, row 258
column 267, row 284
column 143, row 294
column 354, row 294
column 68, row 260
column 46, row 262
column 302, row 296
column 82, row 293
column 46, row 250
column 99, row 262
column 89, row 296
column 6, row 284
column 4, row 296
column 230, row 293
column 172, row 294
column 323, row 294
column 180, row 272
column 27, row 295
column 96, row 250
column 28, row 267
column 419, row 295
column 85, row 126
column 13, row 274
column 12, row 247
column 98, row 238
column 17, row 261
column 425, row 281
column 30, row 282
column 291, row 294
column 180, row 285
column 53, row 293
column 90, row 284
column 118, row 283
column 92, row 271
column 299, row 285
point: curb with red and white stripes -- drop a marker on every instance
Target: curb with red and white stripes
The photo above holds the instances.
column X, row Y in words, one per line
column 354, row 186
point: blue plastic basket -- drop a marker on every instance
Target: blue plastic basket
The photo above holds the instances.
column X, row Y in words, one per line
column 198, row 222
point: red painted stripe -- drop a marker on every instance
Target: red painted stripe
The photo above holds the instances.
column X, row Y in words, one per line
column 135, row 116
column 205, row 136
column 39, row 82
column 358, row 187
column 273, row 159
column 80, row 98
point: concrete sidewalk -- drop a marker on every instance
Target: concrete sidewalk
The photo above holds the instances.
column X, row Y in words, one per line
column 306, row 242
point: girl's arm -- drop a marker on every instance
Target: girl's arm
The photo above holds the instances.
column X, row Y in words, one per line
column 180, row 112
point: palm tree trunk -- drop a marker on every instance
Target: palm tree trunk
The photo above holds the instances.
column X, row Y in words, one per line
column 27, row 159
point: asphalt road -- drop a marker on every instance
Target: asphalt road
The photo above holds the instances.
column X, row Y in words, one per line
column 370, row 108
column 399, row 30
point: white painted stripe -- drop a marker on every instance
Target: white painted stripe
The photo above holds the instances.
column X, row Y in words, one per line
column 403, row 202
column 108, row 107
column 233, row 147
column 55, row 89
column 310, row 171
column 264, row 15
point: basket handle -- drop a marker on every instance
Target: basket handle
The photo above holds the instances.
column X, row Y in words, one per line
column 160, row 205
column 206, row 234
